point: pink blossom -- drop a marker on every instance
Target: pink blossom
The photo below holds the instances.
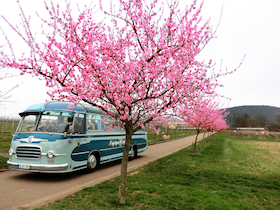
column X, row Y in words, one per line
column 70, row 106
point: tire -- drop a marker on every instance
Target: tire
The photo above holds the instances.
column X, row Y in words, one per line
column 133, row 153
column 92, row 162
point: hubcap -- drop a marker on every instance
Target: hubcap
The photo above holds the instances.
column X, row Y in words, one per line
column 91, row 161
column 132, row 153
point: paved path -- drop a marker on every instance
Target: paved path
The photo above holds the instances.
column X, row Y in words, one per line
column 20, row 190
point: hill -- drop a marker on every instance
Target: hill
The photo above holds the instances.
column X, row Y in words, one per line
column 269, row 111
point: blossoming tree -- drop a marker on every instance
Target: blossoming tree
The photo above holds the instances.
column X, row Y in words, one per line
column 139, row 66
column 204, row 115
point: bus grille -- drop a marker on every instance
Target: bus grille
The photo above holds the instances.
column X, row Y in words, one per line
column 28, row 152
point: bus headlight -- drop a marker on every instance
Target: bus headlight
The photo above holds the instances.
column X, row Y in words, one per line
column 50, row 155
column 11, row 152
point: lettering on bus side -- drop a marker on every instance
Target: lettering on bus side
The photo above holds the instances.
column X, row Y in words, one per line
column 120, row 142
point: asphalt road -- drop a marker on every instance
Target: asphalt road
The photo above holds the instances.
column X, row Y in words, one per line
column 21, row 190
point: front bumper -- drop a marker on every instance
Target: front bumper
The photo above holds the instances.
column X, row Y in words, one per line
column 54, row 168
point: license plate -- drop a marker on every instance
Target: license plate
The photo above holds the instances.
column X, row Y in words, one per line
column 24, row 166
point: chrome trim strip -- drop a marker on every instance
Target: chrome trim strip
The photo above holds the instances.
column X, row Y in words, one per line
column 80, row 153
column 41, row 167
column 102, row 150
column 31, row 139
column 55, row 155
column 110, row 160
column 141, row 143
column 79, row 168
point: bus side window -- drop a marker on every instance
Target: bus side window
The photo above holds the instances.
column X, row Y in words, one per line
column 95, row 122
column 100, row 126
column 92, row 122
column 79, row 126
column 107, row 126
column 111, row 124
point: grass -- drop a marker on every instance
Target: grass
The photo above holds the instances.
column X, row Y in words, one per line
column 7, row 128
column 229, row 173
column 6, row 134
column 5, row 141
column 3, row 164
column 173, row 133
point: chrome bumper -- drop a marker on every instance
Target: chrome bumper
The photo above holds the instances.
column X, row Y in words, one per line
column 39, row 167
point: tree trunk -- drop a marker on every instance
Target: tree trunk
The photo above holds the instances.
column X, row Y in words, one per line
column 194, row 147
column 203, row 138
column 123, row 177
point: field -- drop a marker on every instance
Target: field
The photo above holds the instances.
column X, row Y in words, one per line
column 173, row 133
column 229, row 173
column 7, row 128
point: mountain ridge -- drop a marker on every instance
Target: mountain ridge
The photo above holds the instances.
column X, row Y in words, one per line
column 253, row 110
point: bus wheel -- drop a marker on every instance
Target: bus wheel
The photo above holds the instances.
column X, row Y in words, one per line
column 133, row 153
column 92, row 162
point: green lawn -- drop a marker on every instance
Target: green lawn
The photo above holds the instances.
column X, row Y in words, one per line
column 174, row 134
column 5, row 142
column 3, row 164
column 228, row 173
column 7, row 128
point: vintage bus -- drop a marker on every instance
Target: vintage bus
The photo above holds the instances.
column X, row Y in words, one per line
column 55, row 137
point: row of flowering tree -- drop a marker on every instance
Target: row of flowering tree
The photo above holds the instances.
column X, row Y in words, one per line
column 204, row 115
column 138, row 66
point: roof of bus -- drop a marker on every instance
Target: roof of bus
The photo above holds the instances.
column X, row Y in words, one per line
column 58, row 105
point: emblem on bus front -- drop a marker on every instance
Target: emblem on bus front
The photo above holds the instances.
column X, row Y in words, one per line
column 30, row 139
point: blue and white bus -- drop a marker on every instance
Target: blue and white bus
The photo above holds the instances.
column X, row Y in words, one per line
column 51, row 138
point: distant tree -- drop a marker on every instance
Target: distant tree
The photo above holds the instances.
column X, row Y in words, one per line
column 241, row 120
column 253, row 123
column 277, row 120
column 261, row 120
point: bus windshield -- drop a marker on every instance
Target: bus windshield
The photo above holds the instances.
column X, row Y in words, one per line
column 28, row 122
column 47, row 121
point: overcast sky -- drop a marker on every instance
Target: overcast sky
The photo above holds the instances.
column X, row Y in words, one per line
column 247, row 27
